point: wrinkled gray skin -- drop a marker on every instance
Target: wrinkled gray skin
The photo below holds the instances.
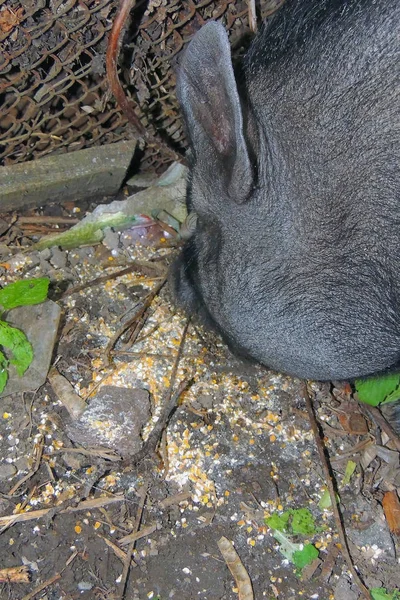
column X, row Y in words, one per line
column 295, row 181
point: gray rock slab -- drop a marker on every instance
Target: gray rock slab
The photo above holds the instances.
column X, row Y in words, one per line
column 114, row 419
column 40, row 325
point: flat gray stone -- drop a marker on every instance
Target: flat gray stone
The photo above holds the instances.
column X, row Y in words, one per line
column 114, row 419
column 40, row 325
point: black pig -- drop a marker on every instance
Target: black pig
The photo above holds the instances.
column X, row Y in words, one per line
column 294, row 178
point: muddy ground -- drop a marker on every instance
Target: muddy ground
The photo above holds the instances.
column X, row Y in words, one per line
column 237, row 448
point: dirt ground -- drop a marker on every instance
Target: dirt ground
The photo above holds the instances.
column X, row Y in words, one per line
column 237, row 448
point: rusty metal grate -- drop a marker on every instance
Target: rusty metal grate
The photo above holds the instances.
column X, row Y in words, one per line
column 53, row 88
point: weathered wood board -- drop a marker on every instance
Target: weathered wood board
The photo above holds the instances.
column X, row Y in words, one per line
column 97, row 171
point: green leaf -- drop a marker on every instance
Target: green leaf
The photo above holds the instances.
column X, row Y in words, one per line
column 297, row 521
column 303, row 522
column 348, row 474
column 382, row 594
column 3, row 371
column 16, row 341
column 278, row 522
column 287, row 547
column 24, row 292
column 297, row 554
column 375, row 390
column 304, row 557
column 325, row 501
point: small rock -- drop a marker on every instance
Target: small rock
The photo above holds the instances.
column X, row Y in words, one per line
column 372, row 582
column 45, row 254
column 111, row 238
column 7, row 470
column 59, row 258
column 34, row 260
column 205, row 400
column 22, row 463
column 85, row 586
column 343, row 590
column 377, row 534
column 5, row 507
column 143, row 180
column 80, row 256
column 75, row 461
column 114, row 419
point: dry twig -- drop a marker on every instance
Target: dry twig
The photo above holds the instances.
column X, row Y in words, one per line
column 136, row 535
column 114, row 43
column 46, row 220
column 143, row 306
column 383, row 424
column 174, row 499
column 138, row 520
column 117, row 551
column 42, row 586
column 97, row 451
column 252, row 16
column 38, row 514
column 145, row 268
column 38, row 452
column 332, row 493
column 18, row 574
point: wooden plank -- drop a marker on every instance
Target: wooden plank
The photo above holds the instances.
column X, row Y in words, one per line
column 97, row 171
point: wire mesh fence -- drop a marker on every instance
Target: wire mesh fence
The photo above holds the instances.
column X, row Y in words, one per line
column 54, row 94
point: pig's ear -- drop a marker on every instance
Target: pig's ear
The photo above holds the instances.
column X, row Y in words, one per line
column 209, row 98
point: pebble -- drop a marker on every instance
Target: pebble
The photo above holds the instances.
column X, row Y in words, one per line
column 58, row 259
column 75, row 461
column 7, row 470
column 84, row 586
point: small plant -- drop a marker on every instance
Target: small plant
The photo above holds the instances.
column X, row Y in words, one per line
column 378, row 390
column 382, row 594
column 20, row 293
column 294, row 522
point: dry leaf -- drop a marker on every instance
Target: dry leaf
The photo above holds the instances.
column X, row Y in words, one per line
column 237, row 569
column 391, row 506
column 10, row 18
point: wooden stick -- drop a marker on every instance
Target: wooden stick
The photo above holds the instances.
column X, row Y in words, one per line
column 383, row 424
column 252, row 16
column 38, row 514
column 135, row 266
column 138, row 520
column 42, row 586
column 332, row 493
column 113, row 49
column 133, row 537
column 143, row 306
column 18, row 574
